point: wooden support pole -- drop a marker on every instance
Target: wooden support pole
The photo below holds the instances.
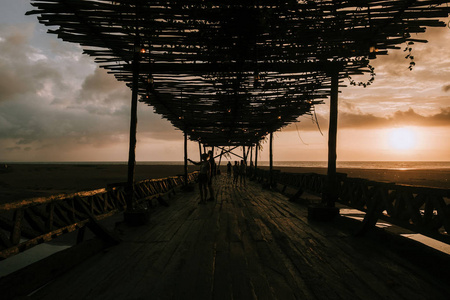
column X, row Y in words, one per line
column 220, row 157
column 243, row 154
column 246, row 155
column 331, row 194
column 256, row 155
column 200, row 150
column 213, row 165
column 251, row 155
column 270, row 158
column 133, row 126
column 185, row 160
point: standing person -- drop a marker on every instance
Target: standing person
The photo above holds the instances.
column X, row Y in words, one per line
column 228, row 171
column 235, row 172
column 212, row 163
column 242, row 172
column 203, row 176
column 251, row 169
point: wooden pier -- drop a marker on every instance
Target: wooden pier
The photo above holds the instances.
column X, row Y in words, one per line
column 250, row 243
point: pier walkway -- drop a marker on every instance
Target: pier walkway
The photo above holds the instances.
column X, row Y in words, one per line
column 248, row 244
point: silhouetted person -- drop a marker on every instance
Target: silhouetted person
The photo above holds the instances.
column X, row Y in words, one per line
column 212, row 163
column 242, row 172
column 229, row 170
column 235, row 172
column 204, row 176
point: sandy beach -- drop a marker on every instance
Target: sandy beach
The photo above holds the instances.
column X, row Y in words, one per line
column 21, row 181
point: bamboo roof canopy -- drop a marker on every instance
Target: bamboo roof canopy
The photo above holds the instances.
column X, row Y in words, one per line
column 230, row 72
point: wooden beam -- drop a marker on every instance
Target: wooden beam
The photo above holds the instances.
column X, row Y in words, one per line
column 220, row 157
column 185, row 159
column 230, row 151
column 270, row 158
column 256, row 155
column 331, row 195
column 133, row 126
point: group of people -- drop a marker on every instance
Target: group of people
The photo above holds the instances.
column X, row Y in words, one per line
column 239, row 172
column 208, row 170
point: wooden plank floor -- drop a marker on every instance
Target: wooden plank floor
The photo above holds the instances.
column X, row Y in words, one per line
column 249, row 244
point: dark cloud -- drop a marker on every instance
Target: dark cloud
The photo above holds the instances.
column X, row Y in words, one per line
column 446, row 88
column 51, row 100
column 100, row 82
column 22, row 68
column 350, row 120
column 101, row 94
column 410, row 117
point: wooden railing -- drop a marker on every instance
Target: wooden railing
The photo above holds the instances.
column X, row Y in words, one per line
column 27, row 223
column 419, row 209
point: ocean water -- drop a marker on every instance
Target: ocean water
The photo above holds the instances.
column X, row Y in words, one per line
column 389, row 165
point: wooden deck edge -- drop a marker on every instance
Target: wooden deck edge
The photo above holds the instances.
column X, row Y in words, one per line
column 420, row 254
column 30, row 278
column 431, row 260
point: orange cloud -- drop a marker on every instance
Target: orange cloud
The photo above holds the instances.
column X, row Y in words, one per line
column 365, row 120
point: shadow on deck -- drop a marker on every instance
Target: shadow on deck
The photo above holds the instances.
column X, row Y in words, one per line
column 248, row 244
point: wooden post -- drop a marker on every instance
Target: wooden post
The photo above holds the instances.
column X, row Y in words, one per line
column 213, row 168
column 327, row 210
column 243, row 154
column 185, row 160
column 256, row 155
column 200, row 150
column 220, row 157
column 133, row 126
column 251, row 154
column 246, row 154
column 270, row 159
column 331, row 193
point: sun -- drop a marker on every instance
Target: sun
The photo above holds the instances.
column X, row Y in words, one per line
column 402, row 138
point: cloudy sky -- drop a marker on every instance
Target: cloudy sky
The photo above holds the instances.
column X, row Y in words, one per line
column 56, row 105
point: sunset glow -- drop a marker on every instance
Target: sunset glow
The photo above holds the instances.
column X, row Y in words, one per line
column 57, row 105
column 402, row 138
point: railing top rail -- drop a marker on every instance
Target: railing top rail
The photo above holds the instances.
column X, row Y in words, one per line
column 21, row 204
column 42, row 200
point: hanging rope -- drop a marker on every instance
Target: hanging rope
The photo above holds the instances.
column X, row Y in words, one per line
column 316, row 120
column 298, row 133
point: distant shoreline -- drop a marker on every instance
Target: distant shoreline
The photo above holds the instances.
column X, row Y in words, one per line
column 28, row 180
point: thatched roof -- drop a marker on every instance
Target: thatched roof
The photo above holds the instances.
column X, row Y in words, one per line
column 229, row 72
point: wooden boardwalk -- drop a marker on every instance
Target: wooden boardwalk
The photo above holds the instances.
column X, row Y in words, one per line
column 248, row 244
